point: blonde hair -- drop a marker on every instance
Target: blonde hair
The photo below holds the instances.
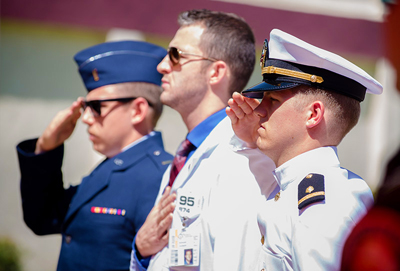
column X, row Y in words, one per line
column 345, row 110
column 150, row 92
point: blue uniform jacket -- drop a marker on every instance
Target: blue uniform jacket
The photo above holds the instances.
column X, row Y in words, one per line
column 99, row 218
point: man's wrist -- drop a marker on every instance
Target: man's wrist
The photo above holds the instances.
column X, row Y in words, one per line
column 144, row 261
column 138, row 255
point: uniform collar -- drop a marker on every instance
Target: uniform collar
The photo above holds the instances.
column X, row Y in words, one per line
column 309, row 162
column 143, row 138
column 149, row 144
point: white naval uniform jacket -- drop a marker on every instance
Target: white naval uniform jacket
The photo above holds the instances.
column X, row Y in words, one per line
column 226, row 176
column 312, row 238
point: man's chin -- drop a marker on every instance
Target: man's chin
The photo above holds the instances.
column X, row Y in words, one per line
column 262, row 147
column 165, row 100
column 99, row 149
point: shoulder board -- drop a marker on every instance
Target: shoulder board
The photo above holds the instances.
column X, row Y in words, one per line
column 311, row 189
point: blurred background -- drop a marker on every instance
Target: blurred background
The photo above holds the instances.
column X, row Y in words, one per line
column 38, row 77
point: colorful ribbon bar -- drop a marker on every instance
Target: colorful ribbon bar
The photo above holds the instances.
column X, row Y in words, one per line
column 110, row 211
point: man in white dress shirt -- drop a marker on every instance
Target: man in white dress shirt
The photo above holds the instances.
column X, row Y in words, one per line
column 310, row 101
column 218, row 189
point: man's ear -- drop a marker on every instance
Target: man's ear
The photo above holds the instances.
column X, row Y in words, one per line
column 315, row 114
column 218, row 72
column 139, row 109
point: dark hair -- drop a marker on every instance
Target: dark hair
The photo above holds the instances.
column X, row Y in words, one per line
column 227, row 37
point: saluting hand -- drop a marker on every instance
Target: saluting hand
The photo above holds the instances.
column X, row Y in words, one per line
column 245, row 121
column 152, row 237
column 60, row 128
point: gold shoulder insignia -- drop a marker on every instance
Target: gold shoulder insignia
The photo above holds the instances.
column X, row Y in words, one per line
column 311, row 189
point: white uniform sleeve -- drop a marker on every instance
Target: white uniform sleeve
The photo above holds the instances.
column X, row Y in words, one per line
column 318, row 240
column 237, row 236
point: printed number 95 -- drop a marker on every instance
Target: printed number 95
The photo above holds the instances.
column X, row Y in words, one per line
column 189, row 201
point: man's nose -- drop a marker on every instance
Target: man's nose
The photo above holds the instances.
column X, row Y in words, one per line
column 87, row 116
column 261, row 110
column 164, row 66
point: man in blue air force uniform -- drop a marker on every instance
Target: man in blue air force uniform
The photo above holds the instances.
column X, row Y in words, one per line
column 99, row 218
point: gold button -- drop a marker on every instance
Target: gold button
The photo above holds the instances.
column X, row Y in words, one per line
column 68, row 239
column 313, row 78
column 277, row 196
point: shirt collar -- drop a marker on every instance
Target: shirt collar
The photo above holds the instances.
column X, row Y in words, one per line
column 202, row 130
column 309, row 162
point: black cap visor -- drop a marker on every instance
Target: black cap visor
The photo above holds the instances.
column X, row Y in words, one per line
column 257, row 91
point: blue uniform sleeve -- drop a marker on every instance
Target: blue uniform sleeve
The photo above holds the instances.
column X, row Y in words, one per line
column 137, row 261
column 44, row 200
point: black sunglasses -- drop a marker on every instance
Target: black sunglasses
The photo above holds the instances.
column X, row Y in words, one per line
column 95, row 105
column 175, row 56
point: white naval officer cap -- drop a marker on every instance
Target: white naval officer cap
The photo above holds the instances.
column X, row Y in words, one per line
column 287, row 62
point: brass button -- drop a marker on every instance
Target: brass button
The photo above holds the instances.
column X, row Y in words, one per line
column 68, row 239
column 313, row 78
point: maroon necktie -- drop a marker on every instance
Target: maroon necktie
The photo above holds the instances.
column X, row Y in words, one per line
column 179, row 159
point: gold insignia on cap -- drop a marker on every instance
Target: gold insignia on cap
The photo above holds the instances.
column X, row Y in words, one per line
column 301, row 75
column 277, row 196
column 309, row 176
column 262, row 239
column 309, row 189
column 95, row 75
column 263, row 54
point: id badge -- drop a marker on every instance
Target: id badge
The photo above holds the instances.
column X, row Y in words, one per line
column 188, row 205
column 184, row 248
column 184, row 242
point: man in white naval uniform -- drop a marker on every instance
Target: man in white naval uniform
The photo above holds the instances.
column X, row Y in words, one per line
column 310, row 101
column 220, row 185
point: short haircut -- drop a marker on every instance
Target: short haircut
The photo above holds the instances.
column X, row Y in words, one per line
column 346, row 110
column 150, row 92
column 227, row 37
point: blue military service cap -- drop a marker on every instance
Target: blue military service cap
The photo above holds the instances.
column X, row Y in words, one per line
column 120, row 62
column 287, row 62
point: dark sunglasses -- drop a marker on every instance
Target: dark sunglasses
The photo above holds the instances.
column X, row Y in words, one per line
column 175, row 56
column 95, row 105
